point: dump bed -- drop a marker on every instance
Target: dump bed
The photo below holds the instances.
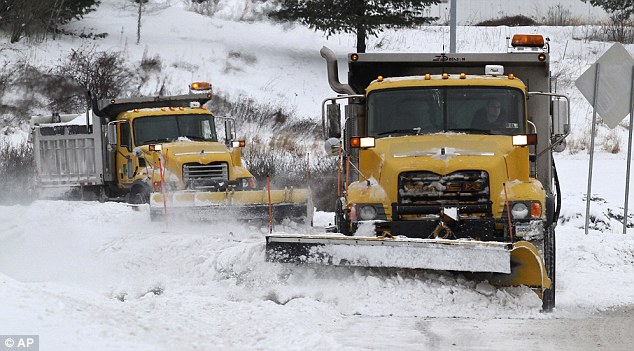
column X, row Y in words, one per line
column 66, row 154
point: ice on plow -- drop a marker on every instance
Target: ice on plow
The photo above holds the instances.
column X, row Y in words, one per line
column 396, row 252
column 294, row 204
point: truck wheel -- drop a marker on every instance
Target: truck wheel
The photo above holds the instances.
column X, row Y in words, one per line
column 548, row 299
column 139, row 195
column 342, row 223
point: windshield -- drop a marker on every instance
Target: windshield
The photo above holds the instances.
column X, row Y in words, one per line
column 425, row 110
column 156, row 129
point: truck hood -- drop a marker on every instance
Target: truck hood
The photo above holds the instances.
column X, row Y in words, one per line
column 200, row 151
column 444, row 154
column 446, row 146
column 177, row 154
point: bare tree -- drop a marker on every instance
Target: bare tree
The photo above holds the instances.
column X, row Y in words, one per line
column 138, row 27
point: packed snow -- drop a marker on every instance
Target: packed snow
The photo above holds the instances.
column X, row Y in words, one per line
column 102, row 276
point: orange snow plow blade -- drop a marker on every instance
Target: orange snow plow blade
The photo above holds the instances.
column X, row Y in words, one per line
column 527, row 268
column 294, row 204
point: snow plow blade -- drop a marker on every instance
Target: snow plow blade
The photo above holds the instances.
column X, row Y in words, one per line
column 294, row 204
column 436, row 254
column 503, row 263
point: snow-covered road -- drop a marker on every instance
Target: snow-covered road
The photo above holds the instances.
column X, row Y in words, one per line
column 85, row 275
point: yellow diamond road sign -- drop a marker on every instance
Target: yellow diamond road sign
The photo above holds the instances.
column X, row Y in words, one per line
column 615, row 83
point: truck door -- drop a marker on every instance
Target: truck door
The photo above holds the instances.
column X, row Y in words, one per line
column 127, row 167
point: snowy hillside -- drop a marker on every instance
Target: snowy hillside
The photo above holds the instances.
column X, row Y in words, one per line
column 280, row 64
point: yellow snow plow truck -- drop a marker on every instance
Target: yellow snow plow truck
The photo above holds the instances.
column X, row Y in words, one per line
column 164, row 150
column 446, row 164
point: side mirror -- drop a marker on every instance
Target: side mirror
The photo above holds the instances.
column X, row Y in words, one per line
column 561, row 117
column 561, row 124
column 131, row 171
column 229, row 136
column 332, row 146
column 137, row 152
column 333, row 112
column 111, row 133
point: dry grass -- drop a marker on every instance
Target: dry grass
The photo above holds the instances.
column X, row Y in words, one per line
column 16, row 171
column 558, row 15
column 612, row 142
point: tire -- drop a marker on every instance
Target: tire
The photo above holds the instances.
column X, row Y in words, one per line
column 139, row 195
column 548, row 298
column 342, row 223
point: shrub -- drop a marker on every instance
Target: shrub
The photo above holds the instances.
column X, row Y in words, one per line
column 612, row 142
column 204, row 7
column 619, row 27
column 103, row 73
column 511, row 21
column 294, row 168
column 559, row 15
column 622, row 32
column 285, row 156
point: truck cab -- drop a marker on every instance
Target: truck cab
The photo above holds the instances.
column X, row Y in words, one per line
column 192, row 156
column 448, row 145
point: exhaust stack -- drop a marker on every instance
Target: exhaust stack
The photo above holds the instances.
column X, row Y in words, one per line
column 333, row 73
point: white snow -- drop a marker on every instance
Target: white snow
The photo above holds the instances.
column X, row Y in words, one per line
column 92, row 276
column 103, row 276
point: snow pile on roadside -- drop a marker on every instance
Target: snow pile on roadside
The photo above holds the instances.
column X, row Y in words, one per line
column 129, row 256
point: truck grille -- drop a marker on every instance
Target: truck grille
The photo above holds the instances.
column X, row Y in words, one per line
column 454, row 189
column 199, row 176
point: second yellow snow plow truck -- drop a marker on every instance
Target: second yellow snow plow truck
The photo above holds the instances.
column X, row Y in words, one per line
column 164, row 150
column 451, row 156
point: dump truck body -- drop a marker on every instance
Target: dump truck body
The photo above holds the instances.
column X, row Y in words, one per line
column 67, row 154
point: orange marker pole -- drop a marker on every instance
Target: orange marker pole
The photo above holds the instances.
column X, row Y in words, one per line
column 347, row 174
column 163, row 187
column 508, row 212
column 268, row 185
column 339, row 166
column 307, row 167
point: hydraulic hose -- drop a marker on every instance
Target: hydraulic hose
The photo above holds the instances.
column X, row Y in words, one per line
column 558, row 189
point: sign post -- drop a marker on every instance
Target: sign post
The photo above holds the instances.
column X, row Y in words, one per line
column 629, row 154
column 613, row 101
column 592, row 135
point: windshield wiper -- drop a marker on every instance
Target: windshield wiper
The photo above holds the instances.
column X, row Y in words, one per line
column 471, row 130
column 414, row 130
column 157, row 141
column 194, row 137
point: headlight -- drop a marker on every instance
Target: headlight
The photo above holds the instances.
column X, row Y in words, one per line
column 246, row 183
column 367, row 212
column 519, row 211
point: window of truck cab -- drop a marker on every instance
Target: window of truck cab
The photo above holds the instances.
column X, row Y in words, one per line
column 124, row 135
column 428, row 110
column 167, row 128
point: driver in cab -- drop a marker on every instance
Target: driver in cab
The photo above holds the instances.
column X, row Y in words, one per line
column 489, row 117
